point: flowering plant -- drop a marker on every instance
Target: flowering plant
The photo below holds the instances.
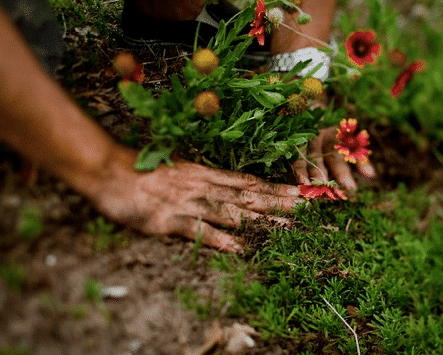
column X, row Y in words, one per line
column 381, row 73
column 216, row 116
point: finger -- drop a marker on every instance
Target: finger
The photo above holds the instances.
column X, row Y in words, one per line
column 341, row 171
column 318, row 170
column 230, row 215
column 250, row 200
column 191, row 228
column 367, row 170
column 300, row 170
column 242, row 181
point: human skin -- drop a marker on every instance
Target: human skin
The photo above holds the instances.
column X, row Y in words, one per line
column 40, row 121
column 321, row 148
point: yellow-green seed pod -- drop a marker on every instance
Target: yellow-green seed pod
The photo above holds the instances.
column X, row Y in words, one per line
column 274, row 79
column 207, row 103
column 205, row 61
column 312, row 88
column 297, row 104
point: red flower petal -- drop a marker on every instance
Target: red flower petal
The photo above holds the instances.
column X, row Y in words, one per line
column 321, row 191
column 258, row 24
column 361, row 48
column 406, row 76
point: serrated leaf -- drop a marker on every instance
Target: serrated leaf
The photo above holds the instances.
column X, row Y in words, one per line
column 138, row 98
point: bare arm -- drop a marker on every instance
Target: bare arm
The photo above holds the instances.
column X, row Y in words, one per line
column 41, row 122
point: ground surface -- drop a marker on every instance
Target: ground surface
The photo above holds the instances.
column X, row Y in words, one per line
column 51, row 313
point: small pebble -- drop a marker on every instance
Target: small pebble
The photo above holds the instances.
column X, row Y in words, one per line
column 114, row 292
column 135, row 345
column 50, row 260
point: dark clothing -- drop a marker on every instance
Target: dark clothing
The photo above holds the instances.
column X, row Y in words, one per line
column 38, row 25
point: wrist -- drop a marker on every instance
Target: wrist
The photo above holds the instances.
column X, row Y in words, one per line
column 97, row 178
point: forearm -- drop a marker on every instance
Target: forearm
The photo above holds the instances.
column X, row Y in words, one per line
column 322, row 12
column 41, row 122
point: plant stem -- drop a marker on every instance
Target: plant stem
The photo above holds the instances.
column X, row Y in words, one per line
column 324, row 44
column 312, row 164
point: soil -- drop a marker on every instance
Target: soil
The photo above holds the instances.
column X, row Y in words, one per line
column 52, row 315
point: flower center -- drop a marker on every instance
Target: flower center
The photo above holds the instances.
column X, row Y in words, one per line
column 352, row 143
column 360, row 48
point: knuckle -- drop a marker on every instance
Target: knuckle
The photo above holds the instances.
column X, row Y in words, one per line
column 251, row 181
column 247, row 197
column 230, row 213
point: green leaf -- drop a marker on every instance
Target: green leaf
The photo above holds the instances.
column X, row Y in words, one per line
column 345, row 24
column 221, row 35
column 138, row 98
column 149, row 159
column 292, row 73
column 177, row 86
column 231, row 135
column 267, row 98
column 313, row 70
column 243, row 83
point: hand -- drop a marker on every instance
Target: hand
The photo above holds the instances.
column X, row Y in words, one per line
column 170, row 201
column 322, row 153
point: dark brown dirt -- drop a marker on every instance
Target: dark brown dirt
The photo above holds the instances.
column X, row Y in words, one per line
column 50, row 315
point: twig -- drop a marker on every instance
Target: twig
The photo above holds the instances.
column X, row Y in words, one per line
column 65, row 30
column 347, row 325
column 348, row 225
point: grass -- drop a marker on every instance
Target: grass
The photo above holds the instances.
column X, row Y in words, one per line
column 14, row 275
column 372, row 263
column 377, row 259
column 104, row 237
column 101, row 15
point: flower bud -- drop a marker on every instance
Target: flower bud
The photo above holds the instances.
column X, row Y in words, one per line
column 207, row 103
column 128, row 68
column 397, row 57
column 275, row 16
column 353, row 74
column 205, row 61
column 297, row 104
column 124, row 63
column 303, row 18
column 312, row 88
column 274, row 79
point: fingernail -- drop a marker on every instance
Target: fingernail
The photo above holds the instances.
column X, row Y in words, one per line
column 368, row 171
column 293, row 191
column 232, row 247
column 236, row 248
column 350, row 184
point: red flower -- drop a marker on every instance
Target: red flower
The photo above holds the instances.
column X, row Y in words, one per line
column 352, row 145
column 323, row 190
column 258, row 24
column 406, row 76
column 361, row 48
